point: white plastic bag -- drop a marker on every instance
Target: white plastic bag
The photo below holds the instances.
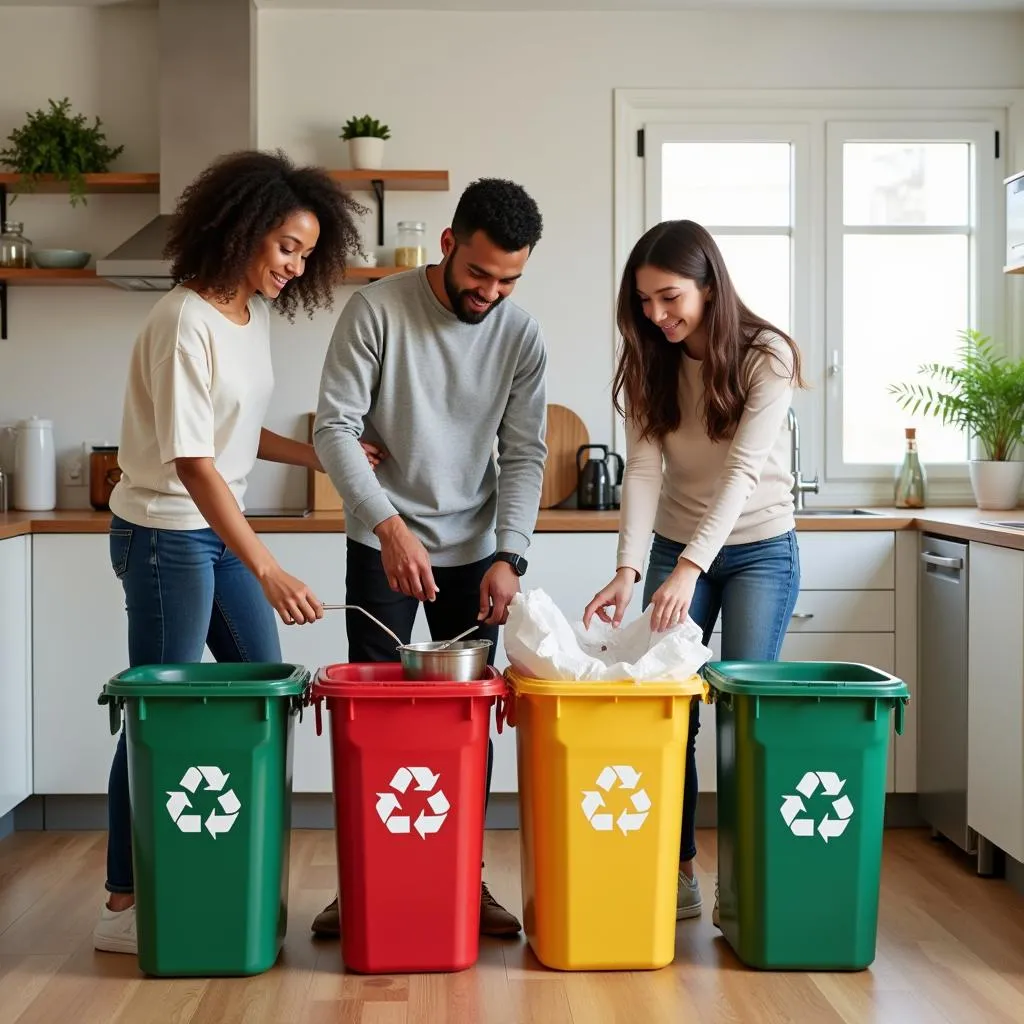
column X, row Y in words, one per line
column 542, row 644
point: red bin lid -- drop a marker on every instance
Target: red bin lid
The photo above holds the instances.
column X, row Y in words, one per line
column 387, row 679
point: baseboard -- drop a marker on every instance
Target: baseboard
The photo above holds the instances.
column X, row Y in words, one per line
column 6, row 824
column 316, row 810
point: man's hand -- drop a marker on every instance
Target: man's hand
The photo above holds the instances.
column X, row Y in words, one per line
column 499, row 585
column 406, row 561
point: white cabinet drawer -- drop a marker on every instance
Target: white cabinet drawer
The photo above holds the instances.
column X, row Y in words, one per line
column 844, row 611
column 841, row 611
column 847, row 560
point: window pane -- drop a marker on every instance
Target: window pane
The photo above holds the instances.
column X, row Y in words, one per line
column 727, row 184
column 906, row 183
column 759, row 266
column 905, row 297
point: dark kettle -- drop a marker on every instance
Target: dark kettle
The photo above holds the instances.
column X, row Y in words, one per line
column 596, row 486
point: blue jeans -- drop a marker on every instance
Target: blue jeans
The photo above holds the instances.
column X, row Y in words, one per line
column 183, row 590
column 755, row 587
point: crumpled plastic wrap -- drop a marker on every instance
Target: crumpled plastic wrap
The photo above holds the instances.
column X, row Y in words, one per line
column 541, row 643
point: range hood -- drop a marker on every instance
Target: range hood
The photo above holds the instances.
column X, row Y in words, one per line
column 207, row 94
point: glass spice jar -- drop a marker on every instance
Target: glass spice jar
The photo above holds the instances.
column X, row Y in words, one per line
column 15, row 248
column 411, row 250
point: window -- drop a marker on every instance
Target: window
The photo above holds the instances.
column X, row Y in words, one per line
column 903, row 273
column 863, row 224
column 738, row 182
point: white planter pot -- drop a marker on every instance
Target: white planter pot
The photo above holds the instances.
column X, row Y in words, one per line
column 366, row 153
column 996, row 484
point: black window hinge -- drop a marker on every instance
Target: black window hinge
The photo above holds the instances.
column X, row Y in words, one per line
column 640, row 142
column 997, row 145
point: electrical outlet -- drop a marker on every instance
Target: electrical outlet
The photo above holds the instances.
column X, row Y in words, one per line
column 72, row 472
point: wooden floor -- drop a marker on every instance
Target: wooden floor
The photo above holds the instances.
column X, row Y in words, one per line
column 950, row 951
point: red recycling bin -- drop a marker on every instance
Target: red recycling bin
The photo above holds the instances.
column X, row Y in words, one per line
column 409, row 761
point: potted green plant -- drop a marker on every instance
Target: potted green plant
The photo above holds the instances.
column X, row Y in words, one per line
column 56, row 142
column 983, row 395
column 365, row 137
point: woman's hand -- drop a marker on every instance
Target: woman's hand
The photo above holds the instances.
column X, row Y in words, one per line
column 375, row 455
column 670, row 603
column 616, row 595
column 290, row 597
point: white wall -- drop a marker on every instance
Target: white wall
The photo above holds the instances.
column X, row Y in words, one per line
column 525, row 96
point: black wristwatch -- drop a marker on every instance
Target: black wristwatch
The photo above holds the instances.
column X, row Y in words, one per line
column 517, row 562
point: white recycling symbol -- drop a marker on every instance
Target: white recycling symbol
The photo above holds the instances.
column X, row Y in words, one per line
column 388, row 804
column 828, row 828
column 629, row 820
column 216, row 824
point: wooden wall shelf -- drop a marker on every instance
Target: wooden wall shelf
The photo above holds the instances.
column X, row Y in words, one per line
column 1014, row 268
column 35, row 276
column 402, row 181
column 94, row 183
column 139, row 183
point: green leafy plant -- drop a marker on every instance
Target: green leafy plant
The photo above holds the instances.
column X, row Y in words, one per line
column 56, row 142
column 983, row 395
column 364, row 127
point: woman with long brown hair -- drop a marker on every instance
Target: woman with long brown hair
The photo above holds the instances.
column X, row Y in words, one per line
column 705, row 387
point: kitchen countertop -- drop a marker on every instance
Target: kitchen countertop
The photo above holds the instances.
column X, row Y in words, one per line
column 964, row 522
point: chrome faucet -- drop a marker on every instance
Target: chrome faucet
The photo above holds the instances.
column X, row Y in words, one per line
column 800, row 485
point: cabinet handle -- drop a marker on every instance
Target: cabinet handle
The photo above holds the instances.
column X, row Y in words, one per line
column 940, row 560
column 803, row 615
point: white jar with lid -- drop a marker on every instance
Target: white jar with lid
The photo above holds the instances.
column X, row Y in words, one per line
column 411, row 249
column 35, row 466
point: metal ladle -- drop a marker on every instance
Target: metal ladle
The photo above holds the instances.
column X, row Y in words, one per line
column 355, row 607
column 440, row 647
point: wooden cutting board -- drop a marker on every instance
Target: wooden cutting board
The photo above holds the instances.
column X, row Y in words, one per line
column 320, row 493
column 565, row 433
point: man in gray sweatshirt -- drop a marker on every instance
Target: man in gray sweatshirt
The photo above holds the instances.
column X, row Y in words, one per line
column 425, row 371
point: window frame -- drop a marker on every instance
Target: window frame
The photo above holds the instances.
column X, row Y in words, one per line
column 644, row 109
column 983, row 263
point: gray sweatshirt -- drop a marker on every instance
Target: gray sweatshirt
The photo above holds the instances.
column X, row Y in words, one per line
column 405, row 373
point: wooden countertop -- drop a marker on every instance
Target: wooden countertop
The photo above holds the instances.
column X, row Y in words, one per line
column 966, row 523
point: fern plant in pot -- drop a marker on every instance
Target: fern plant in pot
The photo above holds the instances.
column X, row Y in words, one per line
column 983, row 395
column 365, row 137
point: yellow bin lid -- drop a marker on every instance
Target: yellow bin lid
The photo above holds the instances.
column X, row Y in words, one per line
column 521, row 685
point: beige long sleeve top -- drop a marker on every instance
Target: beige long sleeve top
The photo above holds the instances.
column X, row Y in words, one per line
column 708, row 494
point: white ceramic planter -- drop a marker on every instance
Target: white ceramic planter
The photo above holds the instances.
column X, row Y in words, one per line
column 366, row 153
column 996, row 484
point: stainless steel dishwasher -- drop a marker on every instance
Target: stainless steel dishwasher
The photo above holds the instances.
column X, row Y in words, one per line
column 942, row 689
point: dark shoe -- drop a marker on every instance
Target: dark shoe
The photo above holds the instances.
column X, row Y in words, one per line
column 328, row 922
column 495, row 920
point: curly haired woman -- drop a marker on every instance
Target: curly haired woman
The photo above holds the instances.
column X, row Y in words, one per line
column 708, row 385
column 250, row 233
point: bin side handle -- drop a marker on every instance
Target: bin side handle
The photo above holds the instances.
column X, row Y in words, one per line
column 901, row 708
column 317, row 701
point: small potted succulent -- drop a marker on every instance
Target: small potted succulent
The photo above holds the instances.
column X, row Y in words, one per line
column 983, row 395
column 365, row 137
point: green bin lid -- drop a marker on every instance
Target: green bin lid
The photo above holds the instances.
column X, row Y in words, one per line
column 803, row 679
column 209, row 679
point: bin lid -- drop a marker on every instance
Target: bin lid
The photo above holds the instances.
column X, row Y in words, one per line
column 519, row 684
column 803, row 679
column 382, row 680
column 210, row 679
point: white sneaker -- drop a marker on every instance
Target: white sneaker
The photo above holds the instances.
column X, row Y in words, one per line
column 115, row 931
column 688, row 898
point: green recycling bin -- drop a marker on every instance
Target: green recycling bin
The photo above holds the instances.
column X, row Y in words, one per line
column 210, row 779
column 802, row 759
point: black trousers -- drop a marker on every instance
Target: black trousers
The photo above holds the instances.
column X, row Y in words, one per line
column 454, row 609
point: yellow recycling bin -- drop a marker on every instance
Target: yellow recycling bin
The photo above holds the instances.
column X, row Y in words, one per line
column 600, row 803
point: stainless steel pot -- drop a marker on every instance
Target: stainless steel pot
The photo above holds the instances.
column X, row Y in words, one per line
column 436, row 661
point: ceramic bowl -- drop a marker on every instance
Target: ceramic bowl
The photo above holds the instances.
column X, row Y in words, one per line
column 60, row 259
